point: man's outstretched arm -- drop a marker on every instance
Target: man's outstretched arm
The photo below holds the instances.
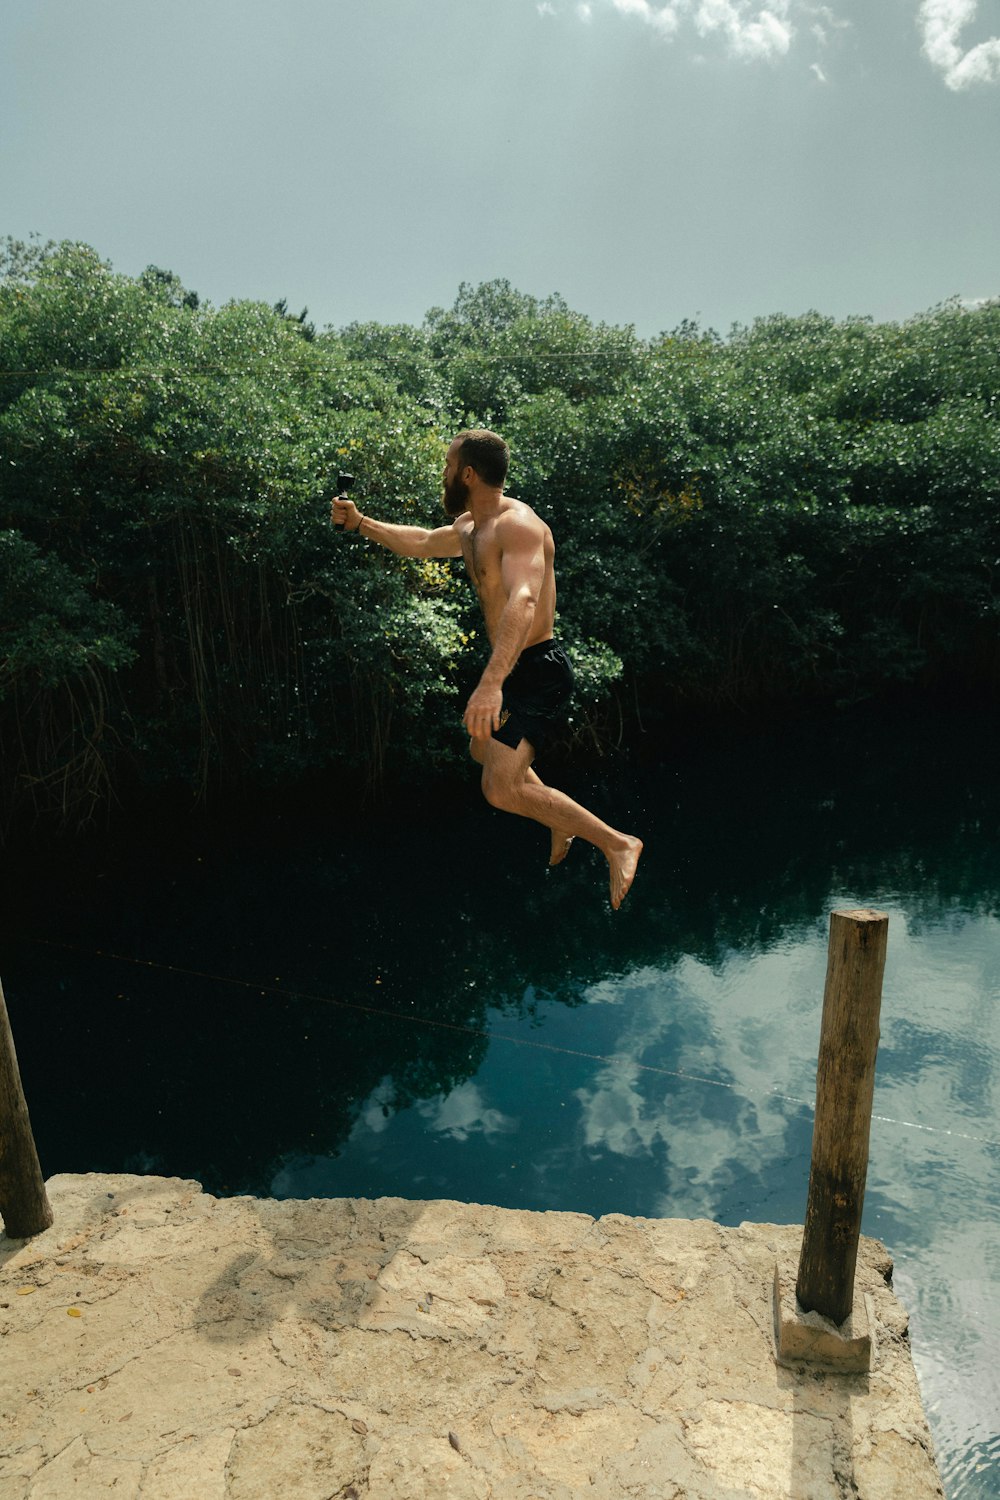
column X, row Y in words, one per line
column 405, row 541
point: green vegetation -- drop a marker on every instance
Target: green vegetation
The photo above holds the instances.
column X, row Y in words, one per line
column 807, row 508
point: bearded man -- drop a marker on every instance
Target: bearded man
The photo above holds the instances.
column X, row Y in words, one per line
column 520, row 698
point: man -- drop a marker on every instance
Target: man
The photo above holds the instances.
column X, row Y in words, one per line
column 508, row 552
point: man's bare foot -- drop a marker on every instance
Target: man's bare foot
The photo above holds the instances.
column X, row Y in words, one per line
column 560, row 846
column 622, row 863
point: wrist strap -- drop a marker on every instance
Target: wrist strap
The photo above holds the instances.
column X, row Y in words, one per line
column 357, row 528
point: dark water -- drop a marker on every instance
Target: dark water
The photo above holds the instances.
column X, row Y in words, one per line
column 411, row 1004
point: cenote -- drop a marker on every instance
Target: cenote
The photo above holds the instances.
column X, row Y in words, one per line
column 406, row 1002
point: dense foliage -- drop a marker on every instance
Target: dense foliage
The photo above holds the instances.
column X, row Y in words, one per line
column 805, row 508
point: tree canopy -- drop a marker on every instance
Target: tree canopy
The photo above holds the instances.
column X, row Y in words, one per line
column 806, row 508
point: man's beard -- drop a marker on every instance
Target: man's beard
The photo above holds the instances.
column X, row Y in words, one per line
column 456, row 497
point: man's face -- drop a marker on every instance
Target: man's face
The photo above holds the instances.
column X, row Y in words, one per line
column 456, row 491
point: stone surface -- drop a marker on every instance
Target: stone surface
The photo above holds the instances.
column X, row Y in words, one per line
column 157, row 1342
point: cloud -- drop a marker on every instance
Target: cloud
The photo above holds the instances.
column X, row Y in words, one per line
column 824, row 21
column 751, row 31
column 815, row 68
column 702, row 1025
column 761, row 35
column 662, row 18
column 941, row 23
column 464, row 1112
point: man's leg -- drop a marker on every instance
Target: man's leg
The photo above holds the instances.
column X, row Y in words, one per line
column 510, row 783
column 561, row 837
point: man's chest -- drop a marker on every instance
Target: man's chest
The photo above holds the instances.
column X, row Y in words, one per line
column 481, row 551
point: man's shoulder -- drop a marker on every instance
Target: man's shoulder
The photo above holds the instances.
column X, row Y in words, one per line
column 518, row 518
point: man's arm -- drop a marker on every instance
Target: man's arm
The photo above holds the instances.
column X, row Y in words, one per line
column 405, row 541
column 522, row 570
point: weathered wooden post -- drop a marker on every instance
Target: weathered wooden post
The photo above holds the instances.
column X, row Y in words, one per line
column 845, row 1083
column 24, row 1203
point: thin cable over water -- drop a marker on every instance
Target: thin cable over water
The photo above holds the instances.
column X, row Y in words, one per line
column 773, row 1092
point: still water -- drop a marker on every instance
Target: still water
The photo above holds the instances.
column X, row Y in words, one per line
column 411, row 1004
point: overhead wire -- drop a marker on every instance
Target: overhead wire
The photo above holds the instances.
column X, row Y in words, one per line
column 262, row 988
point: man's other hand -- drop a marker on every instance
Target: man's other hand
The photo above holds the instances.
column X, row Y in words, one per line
column 344, row 512
column 482, row 712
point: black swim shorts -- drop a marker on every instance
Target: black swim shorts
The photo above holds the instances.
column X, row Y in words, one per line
column 535, row 695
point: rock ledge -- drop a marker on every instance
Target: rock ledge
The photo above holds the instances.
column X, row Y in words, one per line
column 158, row 1342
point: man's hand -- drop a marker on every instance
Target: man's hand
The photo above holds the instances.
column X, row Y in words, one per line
column 344, row 512
column 482, row 712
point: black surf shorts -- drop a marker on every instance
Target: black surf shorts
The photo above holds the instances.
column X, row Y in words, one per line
column 535, row 696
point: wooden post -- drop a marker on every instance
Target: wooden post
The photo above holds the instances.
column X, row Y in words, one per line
column 845, row 1083
column 24, row 1203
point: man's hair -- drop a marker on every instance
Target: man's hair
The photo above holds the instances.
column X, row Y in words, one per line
column 486, row 452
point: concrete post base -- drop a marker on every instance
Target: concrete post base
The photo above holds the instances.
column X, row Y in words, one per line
column 808, row 1338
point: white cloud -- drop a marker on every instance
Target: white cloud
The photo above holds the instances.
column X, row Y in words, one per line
column 751, row 31
column 662, row 18
column 764, row 33
column 665, row 20
column 824, row 21
column 941, row 24
column 545, row 8
column 761, row 35
column 378, row 1109
column 706, row 1137
column 464, row 1112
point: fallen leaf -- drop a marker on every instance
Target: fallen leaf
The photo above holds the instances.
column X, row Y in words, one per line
column 26, row 1291
column 74, row 1312
column 234, row 1371
column 359, row 1426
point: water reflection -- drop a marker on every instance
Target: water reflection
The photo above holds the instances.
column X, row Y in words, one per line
column 686, row 1090
column 427, row 1012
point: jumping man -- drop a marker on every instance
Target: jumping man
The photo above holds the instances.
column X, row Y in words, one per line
column 508, row 552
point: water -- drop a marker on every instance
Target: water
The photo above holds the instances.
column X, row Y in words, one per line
column 411, row 1004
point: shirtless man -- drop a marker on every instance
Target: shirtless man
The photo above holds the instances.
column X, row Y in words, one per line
column 508, row 552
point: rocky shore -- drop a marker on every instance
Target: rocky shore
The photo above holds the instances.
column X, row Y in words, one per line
column 160, row 1344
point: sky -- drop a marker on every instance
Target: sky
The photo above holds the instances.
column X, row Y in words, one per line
column 652, row 162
